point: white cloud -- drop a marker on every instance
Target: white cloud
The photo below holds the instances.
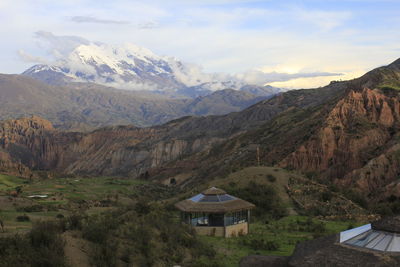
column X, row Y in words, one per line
column 235, row 39
column 148, row 25
column 325, row 20
column 313, row 82
column 90, row 19
column 30, row 58
column 59, row 46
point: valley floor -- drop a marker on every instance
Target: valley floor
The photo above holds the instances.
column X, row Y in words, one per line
column 22, row 202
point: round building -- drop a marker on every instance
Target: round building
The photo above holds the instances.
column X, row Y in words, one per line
column 214, row 212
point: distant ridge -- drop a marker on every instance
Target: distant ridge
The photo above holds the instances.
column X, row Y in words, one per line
column 87, row 106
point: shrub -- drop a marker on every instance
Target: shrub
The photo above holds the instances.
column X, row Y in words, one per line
column 23, row 218
column 271, row 178
column 74, row 222
column 356, row 197
column 261, row 244
column 33, row 208
column 326, row 196
column 267, row 201
column 42, row 246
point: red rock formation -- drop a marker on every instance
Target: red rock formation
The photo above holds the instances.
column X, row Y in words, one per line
column 356, row 129
column 33, row 143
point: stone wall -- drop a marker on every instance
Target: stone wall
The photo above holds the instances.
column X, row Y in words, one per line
column 210, row 230
column 237, row 229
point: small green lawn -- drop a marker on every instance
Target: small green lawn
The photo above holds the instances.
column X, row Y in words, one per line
column 8, row 182
column 81, row 188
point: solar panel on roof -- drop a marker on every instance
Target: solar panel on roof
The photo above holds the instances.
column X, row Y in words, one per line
column 210, row 198
column 226, row 197
column 376, row 240
column 196, row 198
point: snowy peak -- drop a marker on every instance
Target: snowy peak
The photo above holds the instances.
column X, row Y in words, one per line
column 115, row 58
column 126, row 67
column 134, row 68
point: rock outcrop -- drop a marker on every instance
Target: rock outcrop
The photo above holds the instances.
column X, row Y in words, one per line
column 355, row 143
column 33, row 143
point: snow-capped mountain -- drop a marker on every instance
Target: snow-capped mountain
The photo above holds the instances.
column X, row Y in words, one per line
column 126, row 67
column 131, row 67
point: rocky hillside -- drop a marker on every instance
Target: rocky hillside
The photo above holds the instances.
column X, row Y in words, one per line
column 128, row 150
column 88, row 106
column 346, row 133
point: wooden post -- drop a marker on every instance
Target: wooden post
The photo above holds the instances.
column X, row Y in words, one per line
column 258, row 156
column 224, row 226
column 248, row 221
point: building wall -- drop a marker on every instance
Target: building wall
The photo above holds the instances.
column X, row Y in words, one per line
column 210, row 230
column 229, row 231
column 236, row 230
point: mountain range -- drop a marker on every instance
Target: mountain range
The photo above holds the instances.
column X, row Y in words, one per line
column 84, row 106
column 132, row 67
column 346, row 133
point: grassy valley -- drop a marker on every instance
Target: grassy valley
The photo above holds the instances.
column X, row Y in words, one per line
column 126, row 211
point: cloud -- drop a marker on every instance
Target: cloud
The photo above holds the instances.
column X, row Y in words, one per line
column 261, row 78
column 325, row 20
column 59, row 46
column 313, row 82
column 229, row 36
column 148, row 25
column 30, row 58
column 89, row 19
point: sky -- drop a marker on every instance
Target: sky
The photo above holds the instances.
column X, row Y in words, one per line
column 346, row 37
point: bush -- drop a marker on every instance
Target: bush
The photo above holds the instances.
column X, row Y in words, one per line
column 142, row 235
column 33, row 208
column 42, row 246
column 97, row 228
column 271, row 178
column 23, row 218
column 356, row 197
column 74, row 222
column 261, row 244
column 326, row 196
column 267, row 201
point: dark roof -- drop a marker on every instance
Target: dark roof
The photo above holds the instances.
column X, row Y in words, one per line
column 326, row 251
column 213, row 200
column 388, row 224
column 263, row 261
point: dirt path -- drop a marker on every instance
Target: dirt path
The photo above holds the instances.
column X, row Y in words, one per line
column 76, row 250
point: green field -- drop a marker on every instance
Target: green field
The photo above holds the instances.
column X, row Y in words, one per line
column 64, row 196
column 81, row 188
column 9, row 182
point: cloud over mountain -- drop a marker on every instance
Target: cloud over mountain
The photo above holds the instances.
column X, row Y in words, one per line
column 129, row 66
